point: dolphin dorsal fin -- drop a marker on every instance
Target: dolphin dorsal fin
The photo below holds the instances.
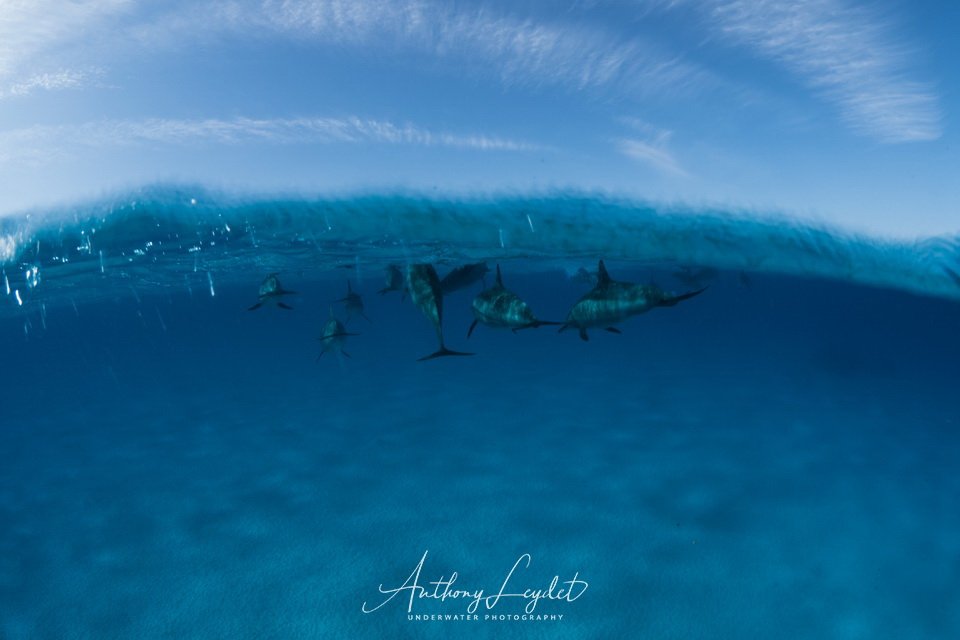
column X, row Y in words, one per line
column 499, row 279
column 603, row 278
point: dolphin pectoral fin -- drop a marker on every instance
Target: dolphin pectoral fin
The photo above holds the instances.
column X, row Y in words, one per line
column 669, row 302
column 583, row 334
column 320, row 356
column 472, row 327
column 613, row 330
column 284, row 305
column 443, row 352
column 255, row 307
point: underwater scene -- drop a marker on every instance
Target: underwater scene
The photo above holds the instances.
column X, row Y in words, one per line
column 229, row 417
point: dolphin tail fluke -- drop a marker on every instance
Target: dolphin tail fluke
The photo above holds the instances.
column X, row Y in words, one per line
column 672, row 300
column 443, row 352
column 255, row 307
column 284, row 305
column 472, row 327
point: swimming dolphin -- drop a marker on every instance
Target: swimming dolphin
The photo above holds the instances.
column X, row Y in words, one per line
column 462, row 277
column 694, row 278
column 424, row 287
column 584, row 276
column 272, row 290
column 610, row 302
column 333, row 337
column 953, row 274
column 353, row 303
column 394, row 280
column 499, row 307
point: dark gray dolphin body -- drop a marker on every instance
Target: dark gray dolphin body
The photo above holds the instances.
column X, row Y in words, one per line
column 610, row 302
column 353, row 303
column 464, row 276
column 953, row 274
column 500, row 307
column 272, row 291
column 694, row 277
column 584, row 276
column 333, row 337
column 394, row 280
column 424, row 287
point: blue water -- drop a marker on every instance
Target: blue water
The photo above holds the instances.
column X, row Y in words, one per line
column 778, row 456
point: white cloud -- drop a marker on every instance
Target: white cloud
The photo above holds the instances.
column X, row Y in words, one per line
column 652, row 148
column 39, row 38
column 846, row 53
column 38, row 144
column 62, row 79
column 478, row 40
column 29, row 29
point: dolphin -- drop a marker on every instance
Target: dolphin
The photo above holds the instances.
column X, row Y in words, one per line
column 953, row 274
column 394, row 280
column 272, row 290
column 424, row 287
column 584, row 276
column 353, row 303
column 333, row 336
column 463, row 276
column 692, row 277
column 610, row 302
column 499, row 307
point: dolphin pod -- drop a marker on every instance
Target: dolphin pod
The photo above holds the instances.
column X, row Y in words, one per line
column 608, row 303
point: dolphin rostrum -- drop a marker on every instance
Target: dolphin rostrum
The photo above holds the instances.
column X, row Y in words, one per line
column 500, row 307
column 463, row 276
column 333, row 337
column 353, row 303
column 610, row 302
column 424, row 287
column 272, row 290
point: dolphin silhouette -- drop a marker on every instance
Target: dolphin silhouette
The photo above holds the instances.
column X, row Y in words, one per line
column 610, row 302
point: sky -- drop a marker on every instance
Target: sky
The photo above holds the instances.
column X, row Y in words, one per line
column 831, row 111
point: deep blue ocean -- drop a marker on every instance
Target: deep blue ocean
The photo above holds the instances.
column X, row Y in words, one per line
column 776, row 457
